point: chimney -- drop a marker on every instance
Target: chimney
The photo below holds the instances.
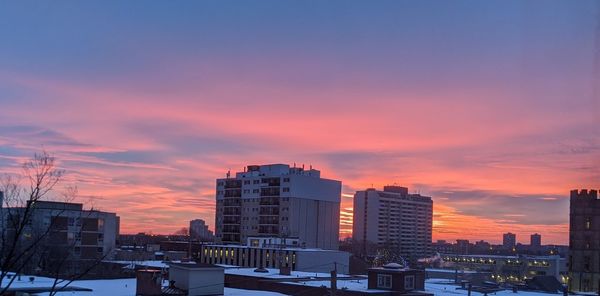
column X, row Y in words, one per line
column 148, row 282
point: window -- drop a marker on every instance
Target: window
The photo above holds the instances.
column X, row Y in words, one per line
column 286, row 189
column 384, row 281
column 588, row 223
column 256, row 182
column 409, row 282
column 255, row 191
column 246, row 182
column 286, row 179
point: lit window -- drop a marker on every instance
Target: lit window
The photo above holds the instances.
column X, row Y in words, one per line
column 588, row 223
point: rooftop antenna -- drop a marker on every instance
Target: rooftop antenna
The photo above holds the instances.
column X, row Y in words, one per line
column 228, row 173
column 311, row 166
column 294, row 165
column 302, row 166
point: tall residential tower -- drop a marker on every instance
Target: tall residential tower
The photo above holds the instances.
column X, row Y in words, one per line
column 584, row 241
column 394, row 219
column 277, row 200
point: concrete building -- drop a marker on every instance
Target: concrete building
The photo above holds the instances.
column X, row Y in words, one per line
column 509, row 240
column 515, row 269
column 276, row 253
column 584, row 241
column 67, row 233
column 277, row 200
column 535, row 241
column 393, row 219
column 199, row 231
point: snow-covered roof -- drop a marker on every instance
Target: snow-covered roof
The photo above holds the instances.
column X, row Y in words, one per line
column 115, row 287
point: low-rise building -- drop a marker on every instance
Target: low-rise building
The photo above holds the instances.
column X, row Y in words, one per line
column 68, row 235
column 395, row 278
column 259, row 253
column 509, row 268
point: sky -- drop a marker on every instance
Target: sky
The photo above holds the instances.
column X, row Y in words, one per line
column 490, row 107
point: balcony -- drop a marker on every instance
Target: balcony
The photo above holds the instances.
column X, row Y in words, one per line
column 232, row 211
column 231, row 220
column 232, row 202
column 270, row 191
column 268, row 229
column 269, row 201
column 233, row 193
column 231, row 238
column 269, row 211
column 272, row 220
column 271, row 181
column 231, row 229
column 233, row 184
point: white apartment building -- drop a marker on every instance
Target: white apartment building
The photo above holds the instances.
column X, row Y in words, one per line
column 393, row 219
column 277, row 200
column 199, row 231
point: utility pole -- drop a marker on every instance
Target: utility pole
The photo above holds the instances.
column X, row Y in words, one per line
column 334, row 279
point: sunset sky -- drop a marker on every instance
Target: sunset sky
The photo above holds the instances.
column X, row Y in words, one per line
column 490, row 107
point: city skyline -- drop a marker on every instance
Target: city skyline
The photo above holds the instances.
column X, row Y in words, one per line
column 491, row 109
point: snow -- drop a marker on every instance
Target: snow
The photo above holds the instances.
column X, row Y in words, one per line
column 117, row 287
column 450, row 270
column 445, row 287
column 274, row 273
column 126, row 287
column 435, row 286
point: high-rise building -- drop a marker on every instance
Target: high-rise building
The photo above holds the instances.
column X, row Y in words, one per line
column 535, row 241
column 393, row 219
column 277, row 200
column 509, row 240
column 199, row 231
column 584, row 241
column 462, row 246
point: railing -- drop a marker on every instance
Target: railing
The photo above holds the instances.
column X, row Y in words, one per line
column 231, row 220
column 268, row 229
column 232, row 211
column 271, row 181
column 269, row 201
column 268, row 220
column 269, row 211
column 232, row 203
column 233, row 184
column 271, row 191
column 231, row 229
column 233, row 193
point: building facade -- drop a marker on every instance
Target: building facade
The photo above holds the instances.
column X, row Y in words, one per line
column 67, row 233
column 277, row 200
column 272, row 253
column 393, row 219
column 535, row 241
column 584, row 241
column 515, row 269
column 199, row 231
column 509, row 240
